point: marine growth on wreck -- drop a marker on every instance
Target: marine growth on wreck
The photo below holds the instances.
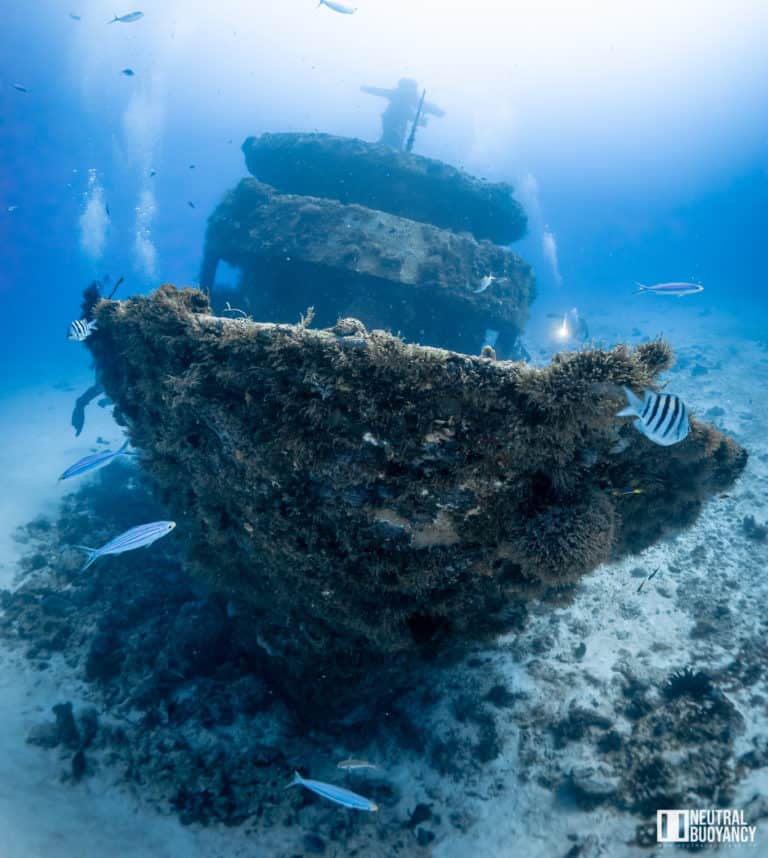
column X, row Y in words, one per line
column 359, row 230
column 366, row 499
column 394, row 498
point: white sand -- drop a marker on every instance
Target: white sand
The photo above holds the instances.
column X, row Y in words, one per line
column 40, row 817
column 38, row 444
column 647, row 632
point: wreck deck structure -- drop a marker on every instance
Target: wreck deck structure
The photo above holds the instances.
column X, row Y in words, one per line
column 355, row 229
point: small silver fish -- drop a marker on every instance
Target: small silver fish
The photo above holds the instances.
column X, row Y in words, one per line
column 661, row 417
column 19, row 87
column 74, row 17
column 342, row 796
column 485, row 282
column 646, row 580
column 137, row 537
column 128, row 72
column 11, row 209
column 191, row 204
column 338, row 7
column 622, row 493
column 92, row 463
column 678, row 289
column 352, row 764
column 127, row 19
column 81, row 329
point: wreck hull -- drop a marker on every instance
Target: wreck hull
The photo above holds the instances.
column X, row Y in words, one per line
column 366, row 501
column 413, row 278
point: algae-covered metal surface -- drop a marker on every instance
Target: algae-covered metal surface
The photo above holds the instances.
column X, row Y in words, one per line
column 378, row 177
column 371, row 500
column 422, row 282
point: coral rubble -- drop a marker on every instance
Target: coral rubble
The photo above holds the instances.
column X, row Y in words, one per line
column 367, row 500
column 169, row 703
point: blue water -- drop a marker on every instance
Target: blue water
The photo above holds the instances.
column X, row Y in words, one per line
column 651, row 169
column 638, row 143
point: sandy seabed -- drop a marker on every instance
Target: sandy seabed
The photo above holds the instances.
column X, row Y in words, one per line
column 705, row 608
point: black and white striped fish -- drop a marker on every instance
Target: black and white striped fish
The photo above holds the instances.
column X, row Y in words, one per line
column 81, row 329
column 661, row 417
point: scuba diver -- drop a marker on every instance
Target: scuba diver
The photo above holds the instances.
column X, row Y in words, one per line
column 405, row 108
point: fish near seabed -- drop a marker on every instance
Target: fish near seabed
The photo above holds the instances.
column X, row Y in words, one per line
column 137, row 537
column 338, row 7
column 352, row 765
column 678, row 289
column 661, row 417
column 342, row 796
column 93, row 462
column 127, row 19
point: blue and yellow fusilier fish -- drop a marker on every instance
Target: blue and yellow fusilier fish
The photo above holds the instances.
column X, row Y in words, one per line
column 93, row 462
column 342, row 796
column 137, row 537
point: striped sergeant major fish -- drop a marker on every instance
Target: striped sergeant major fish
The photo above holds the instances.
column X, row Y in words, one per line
column 92, row 463
column 81, row 329
column 678, row 289
column 137, row 537
column 342, row 796
column 661, row 417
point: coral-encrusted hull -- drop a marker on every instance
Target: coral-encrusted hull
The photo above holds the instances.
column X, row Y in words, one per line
column 368, row 499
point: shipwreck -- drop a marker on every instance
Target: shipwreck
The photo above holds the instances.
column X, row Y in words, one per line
column 363, row 486
column 366, row 501
column 356, row 229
